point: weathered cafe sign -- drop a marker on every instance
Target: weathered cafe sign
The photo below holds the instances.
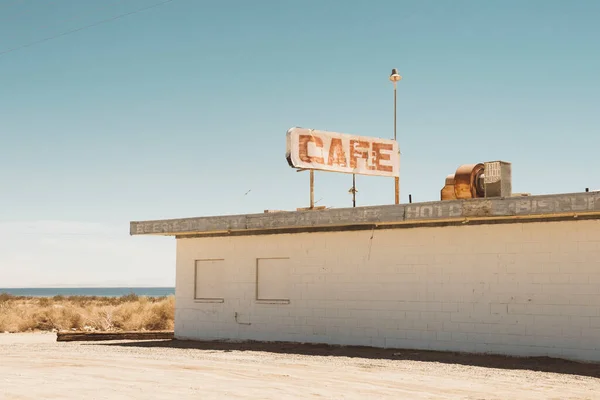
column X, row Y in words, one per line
column 338, row 152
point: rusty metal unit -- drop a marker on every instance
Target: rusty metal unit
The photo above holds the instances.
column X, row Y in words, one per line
column 447, row 192
column 465, row 183
column 469, row 181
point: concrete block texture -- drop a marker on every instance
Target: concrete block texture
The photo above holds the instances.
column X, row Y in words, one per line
column 456, row 288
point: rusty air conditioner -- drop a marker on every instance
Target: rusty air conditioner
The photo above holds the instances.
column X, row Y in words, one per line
column 471, row 181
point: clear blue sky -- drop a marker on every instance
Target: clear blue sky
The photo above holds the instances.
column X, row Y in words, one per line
column 179, row 110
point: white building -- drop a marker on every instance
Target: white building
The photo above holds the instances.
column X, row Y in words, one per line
column 516, row 276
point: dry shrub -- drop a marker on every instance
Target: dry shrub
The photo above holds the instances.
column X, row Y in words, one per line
column 43, row 320
column 146, row 314
column 45, row 301
column 130, row 312
column 161, row 316
column 9, row 315
column 131, row 297
column 4, row 297
column 70, row 319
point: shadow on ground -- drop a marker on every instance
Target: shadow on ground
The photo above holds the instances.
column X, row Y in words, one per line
column 540, row 364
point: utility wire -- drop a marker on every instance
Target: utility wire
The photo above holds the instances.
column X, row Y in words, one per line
column 84, row 27
column 78, row 16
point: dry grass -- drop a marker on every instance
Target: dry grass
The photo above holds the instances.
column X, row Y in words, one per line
column 86, row 313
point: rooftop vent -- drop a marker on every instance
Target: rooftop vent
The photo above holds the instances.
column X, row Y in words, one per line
column 471, row 181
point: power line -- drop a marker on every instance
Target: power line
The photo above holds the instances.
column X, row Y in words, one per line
column 78, row 16
column 83, row 27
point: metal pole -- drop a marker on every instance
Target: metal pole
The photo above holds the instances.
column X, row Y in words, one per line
column 396, row 179
column 353, row 190
column 312, row 189
column 395, row 98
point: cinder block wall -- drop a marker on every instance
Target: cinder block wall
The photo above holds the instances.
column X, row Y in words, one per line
column 530, row 289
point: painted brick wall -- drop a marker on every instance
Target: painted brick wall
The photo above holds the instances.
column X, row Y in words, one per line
column 518, row 289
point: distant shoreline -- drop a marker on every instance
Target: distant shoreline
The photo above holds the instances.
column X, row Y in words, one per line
column 90, row 291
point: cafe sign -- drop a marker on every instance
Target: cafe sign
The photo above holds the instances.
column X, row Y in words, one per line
column 339, row 152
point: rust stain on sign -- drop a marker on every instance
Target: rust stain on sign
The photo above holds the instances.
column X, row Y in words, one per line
column 339, row 152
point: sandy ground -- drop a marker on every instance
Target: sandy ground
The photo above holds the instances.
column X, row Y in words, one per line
column 35, row 366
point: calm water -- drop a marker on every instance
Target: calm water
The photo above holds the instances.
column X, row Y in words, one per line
column 106, row 292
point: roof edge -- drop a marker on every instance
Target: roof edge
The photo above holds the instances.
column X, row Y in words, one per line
column 554, row 205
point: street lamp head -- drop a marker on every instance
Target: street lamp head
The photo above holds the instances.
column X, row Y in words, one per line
column 395, row 76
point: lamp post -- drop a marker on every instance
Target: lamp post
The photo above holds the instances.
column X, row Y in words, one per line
column 395, row 78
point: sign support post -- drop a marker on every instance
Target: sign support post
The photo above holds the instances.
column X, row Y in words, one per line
column 353, row 190
column 312, row 189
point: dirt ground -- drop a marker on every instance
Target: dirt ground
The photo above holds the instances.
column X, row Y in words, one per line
column 35, row 366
